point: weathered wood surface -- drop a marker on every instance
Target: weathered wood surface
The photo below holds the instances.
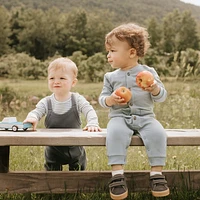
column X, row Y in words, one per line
column 42, row 137
column 88, row 181
column 85, row 181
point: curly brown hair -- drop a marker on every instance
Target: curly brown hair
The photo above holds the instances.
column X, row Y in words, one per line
column 136, row 36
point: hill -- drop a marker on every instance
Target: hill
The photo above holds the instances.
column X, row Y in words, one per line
column 123, row 11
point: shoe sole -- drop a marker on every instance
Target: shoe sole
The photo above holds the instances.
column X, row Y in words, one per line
column 160, row 194
column 119, row 197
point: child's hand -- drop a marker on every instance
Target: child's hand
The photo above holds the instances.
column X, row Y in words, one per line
column 113, row 99
column 154, row 88
column 33, row 121
column 92, row 128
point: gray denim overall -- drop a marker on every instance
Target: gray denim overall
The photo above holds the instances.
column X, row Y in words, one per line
column 56, row 156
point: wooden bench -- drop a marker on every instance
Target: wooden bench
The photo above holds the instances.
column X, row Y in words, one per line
column 85, row 181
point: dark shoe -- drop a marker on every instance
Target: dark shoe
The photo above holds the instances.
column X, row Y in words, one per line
column 159, row 186
column 118, row 188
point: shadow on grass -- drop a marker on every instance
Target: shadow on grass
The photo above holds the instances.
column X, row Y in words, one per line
column 174, row 195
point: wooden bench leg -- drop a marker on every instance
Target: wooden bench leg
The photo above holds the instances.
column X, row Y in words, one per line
column 4, row 159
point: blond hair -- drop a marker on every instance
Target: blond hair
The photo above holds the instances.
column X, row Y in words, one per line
column 65, row 64
column 136, row 36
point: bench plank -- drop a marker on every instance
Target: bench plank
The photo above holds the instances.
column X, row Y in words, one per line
column 89, row 181
column 43, row 137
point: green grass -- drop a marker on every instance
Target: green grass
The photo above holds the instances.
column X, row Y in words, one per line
column 180, row 110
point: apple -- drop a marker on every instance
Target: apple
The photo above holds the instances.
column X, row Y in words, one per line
column 124, row 93
column 144, row 79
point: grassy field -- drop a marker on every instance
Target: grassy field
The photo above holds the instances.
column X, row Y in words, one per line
column 180, row 110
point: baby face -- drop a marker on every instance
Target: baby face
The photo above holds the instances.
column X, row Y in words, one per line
column 61, row 80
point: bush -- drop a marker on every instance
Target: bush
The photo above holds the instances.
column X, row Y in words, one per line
column 7, row 95
column 186, row 63
column 78, row 58
column 94, row 68
column 21, row 65
column 157, row 61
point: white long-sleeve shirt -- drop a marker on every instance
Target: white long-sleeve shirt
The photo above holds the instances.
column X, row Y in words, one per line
column 83, row 106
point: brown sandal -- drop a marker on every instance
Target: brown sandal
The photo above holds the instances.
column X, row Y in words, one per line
column 118, row 188
column 159, row 186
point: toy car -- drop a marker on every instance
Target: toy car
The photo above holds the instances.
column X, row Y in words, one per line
column 12, row 123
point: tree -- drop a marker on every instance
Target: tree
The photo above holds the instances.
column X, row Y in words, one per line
column 154, row 32
column 179, row 32
column 84, row 32
column 171, row 27
column 40, row 33
column 97, row 28
column 188, row 36
column 73, row 35
column 15, row 28
column 4, row 30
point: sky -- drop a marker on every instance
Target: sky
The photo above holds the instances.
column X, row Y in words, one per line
column 195, row 2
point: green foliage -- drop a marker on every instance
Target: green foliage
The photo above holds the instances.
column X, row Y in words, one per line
column 45, row 33
column 74, row 37
column 186, row 64
column 188, row 35
column 153, row 59
column 94, row 68
column 7, row 95
column 38, row 32
column 179, row 32
column 78, row 58
column 127, row 11
column 97, row 27
column 4, row 30
column 81, row 32
column 22, row 65
column 154, row 31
